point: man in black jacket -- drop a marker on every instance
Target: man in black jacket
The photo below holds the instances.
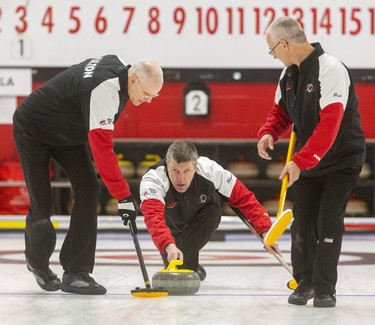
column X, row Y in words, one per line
column 77, row 107
column 316, row 94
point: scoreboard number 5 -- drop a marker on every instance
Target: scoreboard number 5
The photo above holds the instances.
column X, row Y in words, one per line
column 196, row 100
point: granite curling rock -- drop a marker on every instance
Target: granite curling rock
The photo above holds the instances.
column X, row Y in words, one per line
column 177, row 281
column 144, row 165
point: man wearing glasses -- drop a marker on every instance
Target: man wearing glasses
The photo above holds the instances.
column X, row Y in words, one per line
column 75, row 108
column 316, row 94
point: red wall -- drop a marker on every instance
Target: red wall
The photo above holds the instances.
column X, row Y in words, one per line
column 237, row 111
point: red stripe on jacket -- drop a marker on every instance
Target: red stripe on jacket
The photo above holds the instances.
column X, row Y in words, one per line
column 277, row 123
column 245, row 200
column 153, row 211
column 322, row 138
column 107, row 164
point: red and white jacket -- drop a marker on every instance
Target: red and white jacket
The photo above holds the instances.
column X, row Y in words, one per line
column 80, row 105
column 319, row 99
column 166, row 211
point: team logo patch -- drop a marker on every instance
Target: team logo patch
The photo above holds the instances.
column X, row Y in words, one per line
column 310, row 88
column 170, row 205
column 149, row 192
column 202, row 199
column 229, row 178
column 106, row 121
column 316, row 157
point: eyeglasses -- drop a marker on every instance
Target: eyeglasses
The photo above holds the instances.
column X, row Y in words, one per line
column 147, row 95
column 272, row 51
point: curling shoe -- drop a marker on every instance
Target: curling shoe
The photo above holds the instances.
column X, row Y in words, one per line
column 325, row 301
column 201, row 272
column 302, row 294
column 81, row 283
column 47, row 280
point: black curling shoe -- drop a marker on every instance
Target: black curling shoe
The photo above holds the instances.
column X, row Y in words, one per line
column 201, row 272
column 325, row 301
column 302, row 294
column 81, row 283
column 47, row 280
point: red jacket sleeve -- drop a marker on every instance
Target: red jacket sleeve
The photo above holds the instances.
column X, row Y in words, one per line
column 244, row 200
column 107, row 164
column 153, row 211
column 322, row 138
column 277, row 123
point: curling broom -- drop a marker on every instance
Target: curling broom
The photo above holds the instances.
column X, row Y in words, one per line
column 283, row 218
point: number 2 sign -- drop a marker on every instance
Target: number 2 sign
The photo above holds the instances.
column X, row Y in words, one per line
column 196, row 100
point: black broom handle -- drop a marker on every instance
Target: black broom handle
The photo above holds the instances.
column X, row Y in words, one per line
column 140, row 256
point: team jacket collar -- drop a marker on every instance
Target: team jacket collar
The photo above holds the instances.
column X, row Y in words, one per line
column 318, row 51
column 123, row 78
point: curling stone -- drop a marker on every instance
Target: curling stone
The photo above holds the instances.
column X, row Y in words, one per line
column 144, row 165
column 176, row 281
column 273, row 170
column 111, row 207
column 126, row 166
column 357, row 208
column 365, row 172
column 243, row 169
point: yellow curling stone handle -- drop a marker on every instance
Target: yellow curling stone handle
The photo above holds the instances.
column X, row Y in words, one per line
column 172, row 267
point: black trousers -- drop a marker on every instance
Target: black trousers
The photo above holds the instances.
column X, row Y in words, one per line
column 78, row 250
column 196, row 235
column 318, row 226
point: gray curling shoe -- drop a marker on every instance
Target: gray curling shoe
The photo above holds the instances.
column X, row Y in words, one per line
column 81, row 283
column 47, row 280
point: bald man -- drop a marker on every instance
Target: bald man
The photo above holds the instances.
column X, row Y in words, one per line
column 71, row 112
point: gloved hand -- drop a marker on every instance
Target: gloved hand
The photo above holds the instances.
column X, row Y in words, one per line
column 128, row 211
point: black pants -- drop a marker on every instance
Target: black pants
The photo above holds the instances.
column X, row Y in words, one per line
column 78, row 249
column 318, row 226
column 196, row 235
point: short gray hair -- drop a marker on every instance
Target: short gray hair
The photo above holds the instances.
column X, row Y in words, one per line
column 288, row 29
column 182, row 151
